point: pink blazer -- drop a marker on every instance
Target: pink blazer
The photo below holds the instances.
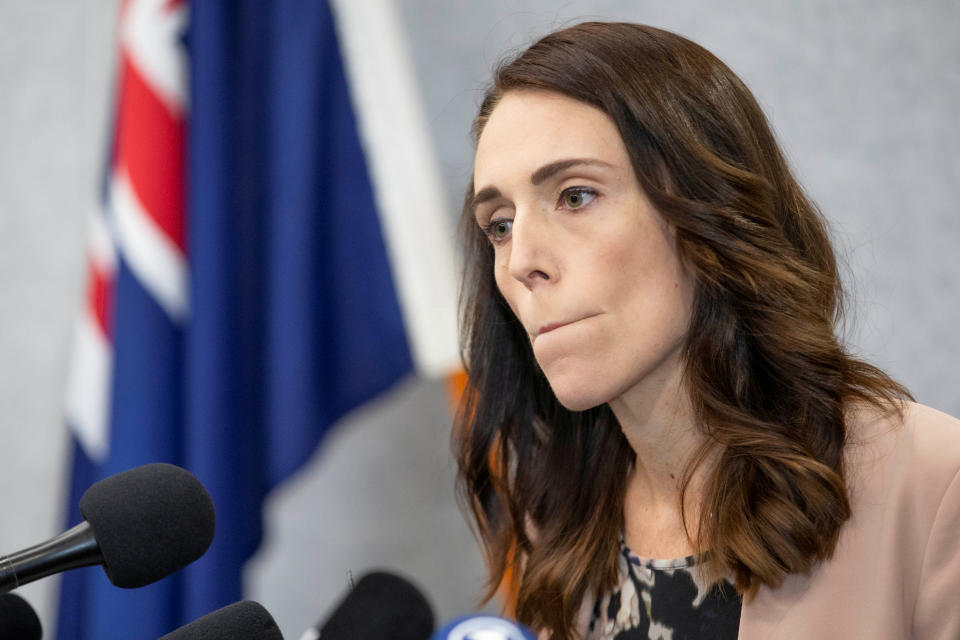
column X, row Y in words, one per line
column 896, row 570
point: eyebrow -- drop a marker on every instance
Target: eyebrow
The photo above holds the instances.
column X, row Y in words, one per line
column 542, row 174
column 549, row 170
column 484, row 195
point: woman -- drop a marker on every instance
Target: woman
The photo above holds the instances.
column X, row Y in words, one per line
column 662, row 435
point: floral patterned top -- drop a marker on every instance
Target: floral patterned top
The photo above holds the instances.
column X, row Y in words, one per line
column 665, row 600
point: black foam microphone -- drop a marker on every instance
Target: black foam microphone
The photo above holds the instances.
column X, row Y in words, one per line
column 244, row 620
column 18, row 620
column 141, row 525
column 381, row 605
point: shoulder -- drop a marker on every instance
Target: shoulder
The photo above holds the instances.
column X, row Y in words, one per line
column 895, row 572
column 904, row 483
column 935, row 434
column 915, row 449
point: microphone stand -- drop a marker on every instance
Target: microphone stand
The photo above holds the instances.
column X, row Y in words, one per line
column 72, row 549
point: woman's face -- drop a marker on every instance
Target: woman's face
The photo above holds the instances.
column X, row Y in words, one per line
column 587, row 265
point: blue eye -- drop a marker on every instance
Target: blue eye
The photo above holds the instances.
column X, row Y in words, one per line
column 577, row 197
column 499, row 230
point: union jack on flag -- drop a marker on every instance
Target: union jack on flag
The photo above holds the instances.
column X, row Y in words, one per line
column 142, row 221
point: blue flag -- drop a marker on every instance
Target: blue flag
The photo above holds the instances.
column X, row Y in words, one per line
column 230, row 339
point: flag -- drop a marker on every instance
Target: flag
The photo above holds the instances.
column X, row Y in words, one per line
column 264, row 262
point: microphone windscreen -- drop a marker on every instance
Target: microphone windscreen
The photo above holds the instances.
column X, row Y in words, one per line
column 149, row 522
column 18, row 620
column 381, row 605
column 244, row 620
column 477, row 626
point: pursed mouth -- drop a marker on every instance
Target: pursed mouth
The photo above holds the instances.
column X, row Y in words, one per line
column 547, row 328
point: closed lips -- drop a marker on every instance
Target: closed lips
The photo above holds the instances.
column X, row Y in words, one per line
column 550, row 327
column 556, row 325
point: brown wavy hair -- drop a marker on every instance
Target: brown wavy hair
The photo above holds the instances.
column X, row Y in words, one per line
column 768, row 377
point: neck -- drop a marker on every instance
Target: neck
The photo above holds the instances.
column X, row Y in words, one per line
column 658, row 421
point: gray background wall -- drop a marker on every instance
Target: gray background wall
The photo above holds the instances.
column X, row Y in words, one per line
column 864, row 96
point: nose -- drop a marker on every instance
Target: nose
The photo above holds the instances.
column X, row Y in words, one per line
column 531, row 256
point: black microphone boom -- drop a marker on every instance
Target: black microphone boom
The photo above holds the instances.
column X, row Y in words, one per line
column 71, row 549
column 141, row 525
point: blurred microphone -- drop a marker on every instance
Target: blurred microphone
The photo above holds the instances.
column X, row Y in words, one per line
column 141, row 525
column 18, row 620
column 381, row 605
column 244, row 620
column 483, row 627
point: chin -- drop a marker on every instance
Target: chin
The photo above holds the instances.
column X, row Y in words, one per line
column 577, row 383
column 579, row 404
column 575, row 395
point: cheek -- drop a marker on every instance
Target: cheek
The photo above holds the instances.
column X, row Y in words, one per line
column 647, row 298
column 505, row 285
column 512, row 292
column 655, row 305
column 644, row 272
